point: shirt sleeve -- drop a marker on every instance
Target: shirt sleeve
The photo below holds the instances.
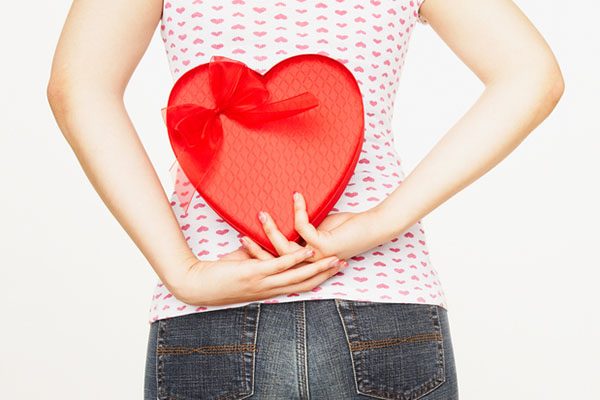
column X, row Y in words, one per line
column 420, row 18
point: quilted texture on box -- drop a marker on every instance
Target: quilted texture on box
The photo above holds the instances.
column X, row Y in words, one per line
column 259, row 167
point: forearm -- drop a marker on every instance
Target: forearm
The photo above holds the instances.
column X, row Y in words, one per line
column 99, row 130
column 506, row 112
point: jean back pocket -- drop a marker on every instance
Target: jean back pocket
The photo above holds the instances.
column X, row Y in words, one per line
column 207, row 355
column 396, row 348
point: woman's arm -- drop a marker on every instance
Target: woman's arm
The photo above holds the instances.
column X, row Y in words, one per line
column 99, row 48
column 523, row 84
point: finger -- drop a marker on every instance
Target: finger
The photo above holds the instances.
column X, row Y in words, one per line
column 281, row 263
column 239, row 254
column 301, row 222
column 255, row 249
column 296, row 275
column 306, row 285
column 278, row 239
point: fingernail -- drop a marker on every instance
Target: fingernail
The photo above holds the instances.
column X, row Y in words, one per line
column 243, row 241
column 295, row 195
column 344, row 263
column 334, row 263
column 309, row 252
column 262, row 216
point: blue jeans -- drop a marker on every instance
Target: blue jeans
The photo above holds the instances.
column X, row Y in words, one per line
column 317, row 349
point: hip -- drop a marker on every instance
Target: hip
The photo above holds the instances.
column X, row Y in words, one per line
column 319, row 349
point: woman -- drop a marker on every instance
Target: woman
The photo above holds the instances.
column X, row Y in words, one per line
column 356, row 310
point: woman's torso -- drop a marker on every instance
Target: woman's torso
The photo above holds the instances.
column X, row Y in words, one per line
column 371, row 39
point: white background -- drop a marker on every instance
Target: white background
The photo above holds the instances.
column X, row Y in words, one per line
column 517, row 251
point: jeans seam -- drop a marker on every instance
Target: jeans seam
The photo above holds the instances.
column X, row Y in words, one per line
column 253, row 368
column 337, row 306
column 243, row 355
column 300, row 349
column 255, row 348
column 305, row 349
column 441, row 349
column 441, row 355
column 156, row 360
column 160, row 390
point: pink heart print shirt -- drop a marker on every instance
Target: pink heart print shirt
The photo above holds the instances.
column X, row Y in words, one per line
column 371, row 38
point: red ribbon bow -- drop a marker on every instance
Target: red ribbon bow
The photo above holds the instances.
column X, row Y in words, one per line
column 241, row 95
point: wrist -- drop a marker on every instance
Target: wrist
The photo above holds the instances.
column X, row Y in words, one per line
column 377, row 228
column 176, row 275
column 379, row 225
column 364, row 231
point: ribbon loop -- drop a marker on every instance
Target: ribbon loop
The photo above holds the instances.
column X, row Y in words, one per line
column 240, row 94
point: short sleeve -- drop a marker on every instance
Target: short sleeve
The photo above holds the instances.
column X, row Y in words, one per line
column 420, row 18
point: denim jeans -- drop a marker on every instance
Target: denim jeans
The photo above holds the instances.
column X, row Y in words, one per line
column 317, row 349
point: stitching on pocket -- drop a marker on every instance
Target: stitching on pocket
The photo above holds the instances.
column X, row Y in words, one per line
column 224, row 349
column 375, row 344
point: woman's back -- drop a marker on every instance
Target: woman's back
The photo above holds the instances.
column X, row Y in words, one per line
column 371, row 39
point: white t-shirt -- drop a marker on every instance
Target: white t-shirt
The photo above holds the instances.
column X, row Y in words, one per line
column 371, row 38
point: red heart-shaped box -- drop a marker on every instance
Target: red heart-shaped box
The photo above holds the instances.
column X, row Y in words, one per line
column 259, row 167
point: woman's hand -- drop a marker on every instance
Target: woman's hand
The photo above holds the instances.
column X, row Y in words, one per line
column 341, row 234
column 236, row 277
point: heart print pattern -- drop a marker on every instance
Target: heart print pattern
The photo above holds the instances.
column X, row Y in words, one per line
column 371, row 38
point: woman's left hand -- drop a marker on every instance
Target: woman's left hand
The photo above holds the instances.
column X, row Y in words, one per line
column 341, row 234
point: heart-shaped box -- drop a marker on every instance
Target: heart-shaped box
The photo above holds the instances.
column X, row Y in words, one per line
column 246, row 141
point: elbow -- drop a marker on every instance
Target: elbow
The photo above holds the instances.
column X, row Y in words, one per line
column 55, row 94
column 554, row 89
column 66, row 97
column 546, row 91
column 61, row 99
column 544, row 83
column 557, row 87
column 549, row 78
column 54, row 87
column 51, row 93
column 539, row 80
column 64, row 93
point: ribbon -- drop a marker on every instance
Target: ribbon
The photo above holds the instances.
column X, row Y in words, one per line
column 240, row 94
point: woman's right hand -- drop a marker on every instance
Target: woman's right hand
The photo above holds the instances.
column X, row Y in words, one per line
column 227, row 280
